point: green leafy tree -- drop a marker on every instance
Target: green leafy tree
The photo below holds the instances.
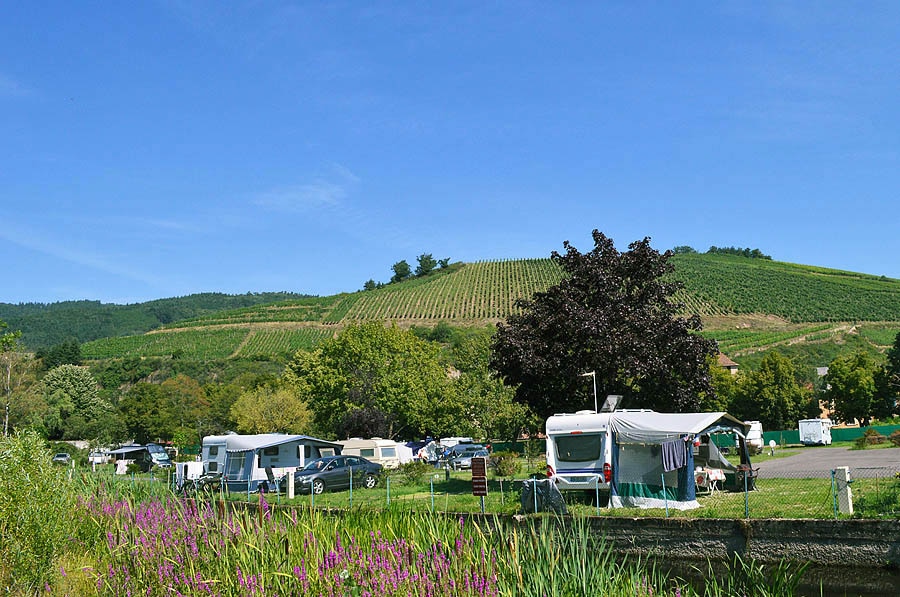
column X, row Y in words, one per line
column 444, row 263
column 401, row 271
column 184, row 408
column 270, row 409
column 851, row 387
column 75, row 410
column 384, row 369
column 67, row 352
column 139, row 409
column 614, row 314
column 370, row 285
column 887, row 384
column 491, row 410
column 426, row 264
column 725, row 385
column 9, row 342
column 771, row 394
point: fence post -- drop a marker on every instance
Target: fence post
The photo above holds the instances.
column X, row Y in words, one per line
column 834, row 494
column 388, row 483
column 746, row 494
column 432, row 494
column 665, row 496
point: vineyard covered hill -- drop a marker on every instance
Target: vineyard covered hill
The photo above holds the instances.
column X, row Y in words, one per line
column 745, row 303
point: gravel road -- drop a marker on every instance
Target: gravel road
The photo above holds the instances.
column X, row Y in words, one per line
column 819, row 461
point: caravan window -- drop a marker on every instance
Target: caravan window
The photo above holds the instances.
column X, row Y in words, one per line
column 578, row 448
column 389, row 452
column 271, row 451
column 367, row 452
column 213, row 451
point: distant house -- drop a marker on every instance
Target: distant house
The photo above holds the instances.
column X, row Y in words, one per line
column 726, row 363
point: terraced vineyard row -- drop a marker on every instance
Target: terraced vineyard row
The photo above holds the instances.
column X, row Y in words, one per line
column 734, row 341
column 478, row 291
column 741, row 285
column 209, row 343
column 268, row 342
column 303, row 310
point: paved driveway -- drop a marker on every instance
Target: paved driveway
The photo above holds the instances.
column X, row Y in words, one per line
column 819, row 461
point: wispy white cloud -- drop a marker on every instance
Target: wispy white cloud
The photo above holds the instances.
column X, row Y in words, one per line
column 32, row 240
column 321, row 194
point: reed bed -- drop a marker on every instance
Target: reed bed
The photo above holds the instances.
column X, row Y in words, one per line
column 70, row 535
column 185, row 547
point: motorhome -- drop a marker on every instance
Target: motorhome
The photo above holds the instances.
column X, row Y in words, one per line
column 145, row 456
column 641, row 457
column 381, row 451
column 815, row 432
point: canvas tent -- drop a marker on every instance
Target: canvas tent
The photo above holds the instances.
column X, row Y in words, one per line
column 654, row 456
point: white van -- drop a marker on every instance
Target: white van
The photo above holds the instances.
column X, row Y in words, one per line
column 378, row 450
column 815, row 432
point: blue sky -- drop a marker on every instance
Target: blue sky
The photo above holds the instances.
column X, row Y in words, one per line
column 159, row 149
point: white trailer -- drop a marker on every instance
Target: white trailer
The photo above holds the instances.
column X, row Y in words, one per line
column 377, row 450
column 642, row 458
column 815, row 432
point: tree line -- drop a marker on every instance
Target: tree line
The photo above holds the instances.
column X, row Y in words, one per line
column 426, row 265
column 714, row 250
column 612, row 316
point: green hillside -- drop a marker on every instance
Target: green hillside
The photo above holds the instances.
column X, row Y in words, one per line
column 44, row 325
column 746, row 304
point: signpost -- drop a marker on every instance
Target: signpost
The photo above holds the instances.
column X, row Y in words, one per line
column 479, row 478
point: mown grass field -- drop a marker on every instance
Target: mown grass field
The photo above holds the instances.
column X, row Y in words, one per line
column 746, row 305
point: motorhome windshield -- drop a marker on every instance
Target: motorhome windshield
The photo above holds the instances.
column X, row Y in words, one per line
column 578, row 448
column 157, row 453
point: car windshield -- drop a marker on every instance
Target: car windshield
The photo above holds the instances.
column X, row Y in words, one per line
column 315, row 465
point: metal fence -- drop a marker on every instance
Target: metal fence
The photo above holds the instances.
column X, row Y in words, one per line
column 821, row 493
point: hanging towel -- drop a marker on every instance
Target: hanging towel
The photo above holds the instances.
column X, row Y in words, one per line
column 673, row 455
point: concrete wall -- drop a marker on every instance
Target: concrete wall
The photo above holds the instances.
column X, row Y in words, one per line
column 858, row 543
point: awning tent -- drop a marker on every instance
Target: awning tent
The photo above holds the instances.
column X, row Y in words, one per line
column 248, row 456
column 653, row 456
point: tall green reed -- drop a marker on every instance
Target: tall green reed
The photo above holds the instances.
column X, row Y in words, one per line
column 36, row 503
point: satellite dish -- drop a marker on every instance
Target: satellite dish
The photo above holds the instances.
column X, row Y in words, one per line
column 611, row 403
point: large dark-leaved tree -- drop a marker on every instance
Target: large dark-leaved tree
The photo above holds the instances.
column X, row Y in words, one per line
column 613, row 314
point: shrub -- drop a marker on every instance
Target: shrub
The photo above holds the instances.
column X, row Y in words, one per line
column 895, row 438
column 414, row 471
column 506, row 464
column 871, row 437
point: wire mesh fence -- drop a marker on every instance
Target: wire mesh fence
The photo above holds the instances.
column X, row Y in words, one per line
column 769, row 492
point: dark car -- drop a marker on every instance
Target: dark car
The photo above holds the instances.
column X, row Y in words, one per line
column 463, row 459
column 333, row 472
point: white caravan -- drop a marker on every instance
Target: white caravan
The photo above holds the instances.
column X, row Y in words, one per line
column 815, row 432
column 579, row 449
column 755, row 437
column 380, row 451
column 641, row 457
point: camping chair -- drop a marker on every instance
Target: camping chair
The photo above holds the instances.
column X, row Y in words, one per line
column 746, row 471
column 271, row 481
